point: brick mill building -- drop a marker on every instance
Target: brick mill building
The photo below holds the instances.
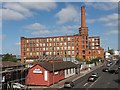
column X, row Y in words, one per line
column 80, row 45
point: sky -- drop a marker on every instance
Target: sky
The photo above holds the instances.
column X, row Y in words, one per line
column 42, row 19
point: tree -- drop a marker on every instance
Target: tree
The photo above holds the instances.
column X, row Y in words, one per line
column 9, row 57
column 94, row 60
column 78, row 59
column 111, row 51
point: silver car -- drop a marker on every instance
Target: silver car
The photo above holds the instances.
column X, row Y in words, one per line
column 95, row 74
column 69, row 84
column 18, row 86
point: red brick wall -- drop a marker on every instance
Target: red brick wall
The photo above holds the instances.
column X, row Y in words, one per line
column 38, row 79
column 58, row 77
column 94, row 53
column 34, row 78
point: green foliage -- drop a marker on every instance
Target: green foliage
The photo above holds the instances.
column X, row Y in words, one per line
column 78, row 59
column 111, row 51
column 9, row 57
column 94, row 60
column 89, row 62
column 97, row 59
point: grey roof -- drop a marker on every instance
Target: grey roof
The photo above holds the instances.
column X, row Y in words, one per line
column 49, row 57
column 57, row 65
column 10, row 64
column 46, row 58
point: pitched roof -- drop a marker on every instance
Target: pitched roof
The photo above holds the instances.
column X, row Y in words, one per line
column 10, row 63
column 57, row 65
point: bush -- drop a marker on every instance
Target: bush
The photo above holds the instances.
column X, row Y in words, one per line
column 78, row 59
column 9, row 57
column 94, row 60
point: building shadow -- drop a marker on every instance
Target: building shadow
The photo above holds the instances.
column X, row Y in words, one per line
column 117, row 81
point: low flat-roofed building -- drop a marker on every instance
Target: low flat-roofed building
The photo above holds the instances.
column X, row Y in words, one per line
column 47, row 73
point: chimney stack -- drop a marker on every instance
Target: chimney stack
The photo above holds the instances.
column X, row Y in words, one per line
column 83, row 23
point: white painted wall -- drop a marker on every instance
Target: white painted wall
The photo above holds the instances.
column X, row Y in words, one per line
column 69, row 74
column 116, row 52
column 45, row 75
column 87, row 66
column 107, row 55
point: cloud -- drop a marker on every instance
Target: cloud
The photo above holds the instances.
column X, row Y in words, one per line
column 69, row 29
column 67, row 14
column 41, row 33
column 112, row 32
column 91, row 20
column 17, row 7
column 39, row 5
column 103, row 5
column 113, row 16
column 13, row 15
column 43, row 30
column 37, row 29
column 112, row 23
column 109, row 20
column 22, row 10
column 36, row 26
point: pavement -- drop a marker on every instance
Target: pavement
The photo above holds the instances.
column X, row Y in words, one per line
column 73, row 78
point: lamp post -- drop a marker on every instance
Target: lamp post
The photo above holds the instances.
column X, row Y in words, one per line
column 53, row 72
column 53, row 66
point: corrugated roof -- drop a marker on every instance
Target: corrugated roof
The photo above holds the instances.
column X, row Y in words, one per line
column 57, row 65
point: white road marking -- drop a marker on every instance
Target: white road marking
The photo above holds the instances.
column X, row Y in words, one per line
column 94, row 82
column 85, row 84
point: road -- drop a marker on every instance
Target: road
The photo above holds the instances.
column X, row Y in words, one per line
column 105, row 79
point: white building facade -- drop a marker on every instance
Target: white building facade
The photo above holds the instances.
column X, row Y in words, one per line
column 69, row 72
column 107, row 55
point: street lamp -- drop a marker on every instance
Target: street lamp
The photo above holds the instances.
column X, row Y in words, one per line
column 53, row 67
column 53, row 72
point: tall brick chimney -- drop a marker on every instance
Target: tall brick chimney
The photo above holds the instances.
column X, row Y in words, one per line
column 83, row 30
column 83, row 21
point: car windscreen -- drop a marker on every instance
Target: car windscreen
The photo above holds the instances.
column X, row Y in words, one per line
column 67, row 82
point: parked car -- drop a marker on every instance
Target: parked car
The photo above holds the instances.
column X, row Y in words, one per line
column 116, row 71
column 68, row 84
column 111, row 71
column 95, row 74
column 92, row 78
column 108, row 60
column 105, row 70
column 108, row 65
column 119, row 67
column 18, row 86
